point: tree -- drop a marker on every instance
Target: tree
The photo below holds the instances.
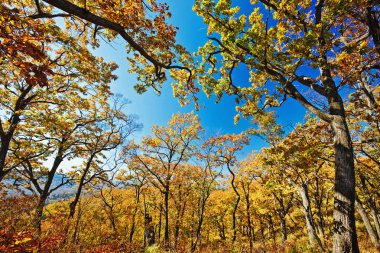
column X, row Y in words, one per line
column 304, row 156
column 208, row 162
column 39, row 64
column 110, row 129
column 363, row 107
column 163, row 154
column 246, row 180
column 141, row 24
column 279, row 43
column 58, row 134
column 78, row 126
column 227, row 147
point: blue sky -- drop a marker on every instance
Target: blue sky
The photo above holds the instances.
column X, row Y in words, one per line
column 157, row 109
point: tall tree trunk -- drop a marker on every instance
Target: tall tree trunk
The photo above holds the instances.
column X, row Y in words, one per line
column 75, row 238
column 160, row 224
column 176, row 228
column 222, row 232
column 250, row 231
column 262, row 231
column 200, row 222
column 371, row 204
column 310, row 224
column 166, row 216
column 39, row 214
column 5, row 142
column 6, row 136
column 376, row 221
column 284, row 231
column 149, row 234
column 236, row 203
column 367, row 223
column 132, row 231
column 271, row 231
column 234, row 218
column 373, row 25
column 345, row 238
column 74, row 203
column 45, row 194
column 318, row 200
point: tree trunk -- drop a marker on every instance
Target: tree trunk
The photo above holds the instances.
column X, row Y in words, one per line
column 145, row 225
column 6, row 136
column 367, row 223
column 5, row 142
column 132, row 231
column 345, row 238
column 236, row 203
column 43, row 197
column 271, row 230
column 248, row 212
column 160, row 224
column 149, row 234
column 373, row 26
column 75, row 238
column 371, row 204
column 310, row 224
column 39, row 214
column 200, row 222
column 375, row 218
column 284, row 231
column 166, row 216
column 222, row 232
column 74, row 203
column 177, row 227
column 318, row 200
column 262, row 231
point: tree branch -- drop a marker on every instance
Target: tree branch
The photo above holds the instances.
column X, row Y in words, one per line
column 83, row 13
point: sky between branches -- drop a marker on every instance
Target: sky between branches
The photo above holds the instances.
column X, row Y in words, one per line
column 157, row 109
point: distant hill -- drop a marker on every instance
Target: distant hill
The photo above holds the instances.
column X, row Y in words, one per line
column 62, row 193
